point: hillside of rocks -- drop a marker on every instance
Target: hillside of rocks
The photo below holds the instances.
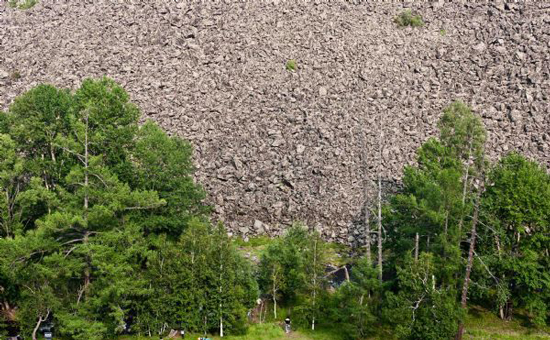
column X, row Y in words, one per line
column 274, row 146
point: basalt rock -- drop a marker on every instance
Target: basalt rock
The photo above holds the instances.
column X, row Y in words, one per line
column 274, row 146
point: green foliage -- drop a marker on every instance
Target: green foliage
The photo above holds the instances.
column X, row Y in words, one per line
column 356, row 303
column 102, row 225
column 163, row 164
column 22, row 4
column 103, row 229
column 291, row 65
column 406, row 18
column 517, row 206
column 266, row 331
column 281, row 269
column 423, row 308
column 462, row 132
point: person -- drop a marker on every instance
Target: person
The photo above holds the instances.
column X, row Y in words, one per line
column 287, row 325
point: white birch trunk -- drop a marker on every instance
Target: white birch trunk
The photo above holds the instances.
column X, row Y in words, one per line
column 380, row 204
column 416, row 245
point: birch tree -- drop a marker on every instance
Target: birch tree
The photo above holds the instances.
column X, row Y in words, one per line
column 470, row 263
column 514, row 240
column 379, row 219
column 315, row 265
column 463, row 134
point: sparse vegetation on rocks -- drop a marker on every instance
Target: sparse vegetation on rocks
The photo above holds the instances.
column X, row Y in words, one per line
column 22, row 4
column 15, row 75
column 291, row 65
column 406, row 18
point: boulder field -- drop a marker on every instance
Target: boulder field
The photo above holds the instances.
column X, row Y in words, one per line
column 273, row 146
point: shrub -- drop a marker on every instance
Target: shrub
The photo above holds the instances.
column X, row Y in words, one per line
column 15, row 75
column 406, row 18
column 22, row 4
column 291, row 65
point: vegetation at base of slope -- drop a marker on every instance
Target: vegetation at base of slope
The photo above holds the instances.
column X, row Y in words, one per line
column 337, row 254
column 480, row 323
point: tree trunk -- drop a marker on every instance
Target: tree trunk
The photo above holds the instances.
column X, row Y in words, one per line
column 314, row 281
column 428, row 243
column 470, row 264
column 274, row 305
column 464, row 191
column 86, row 175
column 367, row 227
column 221, row 289
column 380, row 136
column 40, row 320
column 379, row 227
column 367, row 196
column 416, row 245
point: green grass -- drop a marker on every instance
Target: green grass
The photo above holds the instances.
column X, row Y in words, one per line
column 266, row 331
column 253, row 242
column 254, row 247
column 481, row 324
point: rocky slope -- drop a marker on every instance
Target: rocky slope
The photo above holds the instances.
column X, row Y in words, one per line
column 273, row 146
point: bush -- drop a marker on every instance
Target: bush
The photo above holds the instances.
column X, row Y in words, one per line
column 22, row 4
column 406, row 18
column 291, row 65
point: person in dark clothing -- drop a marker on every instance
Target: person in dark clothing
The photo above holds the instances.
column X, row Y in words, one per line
column 287, row 325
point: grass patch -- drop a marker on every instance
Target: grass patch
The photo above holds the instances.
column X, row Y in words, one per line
column 291, row 65
column 265, row 331
column 22, row 4
column 254, row 247
column 253, row 242
column 406, row 18
column 481, row 324
column 484, row 335
column 442, row 32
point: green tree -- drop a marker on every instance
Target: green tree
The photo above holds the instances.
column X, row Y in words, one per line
column 358, row 301
column 314, row 266
column 34, row 121
column 163, row 164
column 423, row 309
column 282, row 272
column 463, row 135
column 516, row 241
column 84, row 231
